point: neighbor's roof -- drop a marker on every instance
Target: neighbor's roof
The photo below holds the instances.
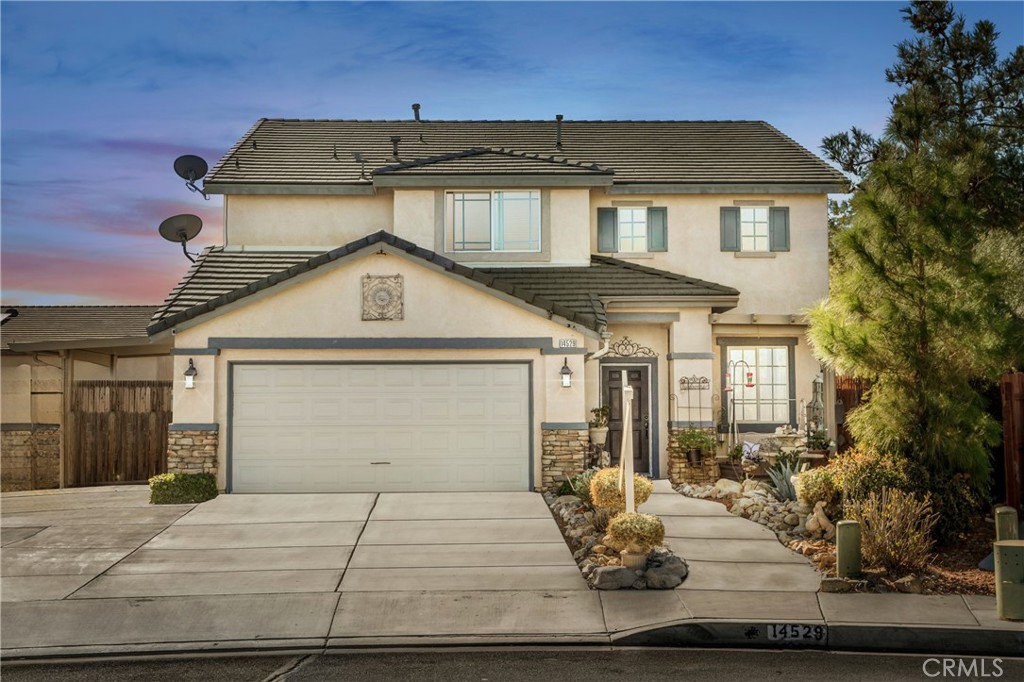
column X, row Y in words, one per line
column 220, row 277
column 323, row 152
column 70, row 325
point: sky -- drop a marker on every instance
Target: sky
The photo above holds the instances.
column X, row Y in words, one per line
column 98, row 99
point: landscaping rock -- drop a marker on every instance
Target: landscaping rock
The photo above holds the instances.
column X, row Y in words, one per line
column 613, row 577
column 724, row 486
column 570, row 501
column 837, row 585
column 910, row 584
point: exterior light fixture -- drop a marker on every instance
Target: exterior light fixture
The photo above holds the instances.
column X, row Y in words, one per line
column 190, row 374
column 566, row 374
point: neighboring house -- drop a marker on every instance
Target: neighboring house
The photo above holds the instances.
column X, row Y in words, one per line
column 44, row 349
column 396, row 302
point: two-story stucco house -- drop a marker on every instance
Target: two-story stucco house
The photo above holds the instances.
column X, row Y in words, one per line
column 423, row 305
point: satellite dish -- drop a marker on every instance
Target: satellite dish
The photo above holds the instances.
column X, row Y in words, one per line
column 181, row 229
column 191, row 168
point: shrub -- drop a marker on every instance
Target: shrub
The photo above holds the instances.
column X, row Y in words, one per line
column 862, row 471
column 695, row 439
column 819, row 485
column 957, row 501
column 604, row 489
column 895, row 529
column 637, row 532
column 579, row 486
column 182, row 488
column 782, row 474
column 600, row 419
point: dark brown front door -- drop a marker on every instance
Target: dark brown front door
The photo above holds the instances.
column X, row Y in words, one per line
column 611, row 388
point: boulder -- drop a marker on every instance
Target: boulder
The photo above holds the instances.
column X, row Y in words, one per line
column 818, row 522
column 613, row 577
column 836, row 585
column 568, row 501
column 659, row 579
column 791, row 519
column 724, row 485
column 910, row 584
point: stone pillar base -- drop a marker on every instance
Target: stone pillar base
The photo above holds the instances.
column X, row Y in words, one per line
column 681, row 471
column 563, row 455
column 192, row 452
column 30, row 456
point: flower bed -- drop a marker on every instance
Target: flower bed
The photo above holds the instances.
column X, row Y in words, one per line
column 584, row 529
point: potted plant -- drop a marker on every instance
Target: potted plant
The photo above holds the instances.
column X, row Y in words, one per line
column 599, row 425
column 732, row 469
column 818, row 442
column 694, row 442
column 637, row 534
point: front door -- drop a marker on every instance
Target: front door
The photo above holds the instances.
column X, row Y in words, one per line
column 638, row 377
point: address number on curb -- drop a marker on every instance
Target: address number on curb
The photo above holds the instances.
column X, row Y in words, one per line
column 796, row 632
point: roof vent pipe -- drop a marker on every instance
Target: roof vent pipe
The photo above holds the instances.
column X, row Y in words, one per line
column 416, row 111
column 395, row 139
column 558, row 131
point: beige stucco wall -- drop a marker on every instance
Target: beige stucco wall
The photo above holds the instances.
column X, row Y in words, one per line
column 414, row 216
column 304, row 220
column 327, row 304
column 31, row 389
column 144, row 368
column 781, row 283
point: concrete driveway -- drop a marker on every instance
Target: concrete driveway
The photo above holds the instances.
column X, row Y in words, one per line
column 83, row 566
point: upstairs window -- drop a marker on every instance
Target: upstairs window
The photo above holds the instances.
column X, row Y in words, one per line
column 500, row 220
column 755, row 229
column 632, row 229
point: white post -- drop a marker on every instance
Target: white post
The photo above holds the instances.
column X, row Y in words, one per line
column 626, row 452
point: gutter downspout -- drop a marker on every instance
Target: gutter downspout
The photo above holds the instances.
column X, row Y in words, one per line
column 606, row 340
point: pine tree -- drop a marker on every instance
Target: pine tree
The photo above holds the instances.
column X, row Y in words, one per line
column 924, row 277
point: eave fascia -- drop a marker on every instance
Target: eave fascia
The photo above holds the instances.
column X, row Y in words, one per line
column 727, row 188
column 480, row 180
column 336, row 189
column 717, row 304
column 76, row 344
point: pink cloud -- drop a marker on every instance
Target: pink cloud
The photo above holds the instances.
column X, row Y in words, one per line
column 112, row 280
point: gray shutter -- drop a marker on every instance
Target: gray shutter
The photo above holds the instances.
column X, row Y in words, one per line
column 730, row 228
column 778, row 229
column 607, row 230
column 657, row 228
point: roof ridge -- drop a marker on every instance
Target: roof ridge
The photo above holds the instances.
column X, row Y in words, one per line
column 509, row 120
column 81, row 305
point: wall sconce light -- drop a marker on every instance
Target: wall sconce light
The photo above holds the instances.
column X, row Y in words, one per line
column 190, row 374
column 566, row 374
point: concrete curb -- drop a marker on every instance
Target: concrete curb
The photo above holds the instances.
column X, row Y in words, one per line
column 916, row 639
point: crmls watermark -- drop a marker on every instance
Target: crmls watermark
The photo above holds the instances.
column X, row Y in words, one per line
column 974, row 668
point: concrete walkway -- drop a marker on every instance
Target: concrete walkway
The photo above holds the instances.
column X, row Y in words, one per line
column 100, row 571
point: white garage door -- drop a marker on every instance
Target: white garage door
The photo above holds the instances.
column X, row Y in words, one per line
column 343, row 428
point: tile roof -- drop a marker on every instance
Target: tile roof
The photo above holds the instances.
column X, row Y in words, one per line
column 493, row 162
column 219, row 277
column 56, row 323
column 319, row 152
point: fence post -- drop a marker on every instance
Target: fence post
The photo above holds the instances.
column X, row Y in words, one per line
column 1007, row 526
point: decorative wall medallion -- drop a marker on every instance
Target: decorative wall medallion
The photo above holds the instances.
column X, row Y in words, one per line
column 382, row 297
column 627, row 348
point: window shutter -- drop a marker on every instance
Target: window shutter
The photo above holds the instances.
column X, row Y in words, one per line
column 730, row 228
column 607, row 230
column 778, row 229
column 657, row 228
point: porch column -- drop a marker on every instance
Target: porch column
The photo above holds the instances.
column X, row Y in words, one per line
column 691, row 361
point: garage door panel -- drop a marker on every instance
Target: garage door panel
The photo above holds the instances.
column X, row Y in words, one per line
column 438, row 427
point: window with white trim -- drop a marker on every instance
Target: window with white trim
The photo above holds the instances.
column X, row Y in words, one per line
column 754, row 228
column 632, row 229
column 499, row 220
column 768, row 400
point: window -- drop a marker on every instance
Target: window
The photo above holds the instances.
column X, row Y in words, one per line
column 754, row 228
column 768, row 401
column 493, row 221
column 632, row 229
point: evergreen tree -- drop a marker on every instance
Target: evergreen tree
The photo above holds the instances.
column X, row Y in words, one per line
column 924, row 278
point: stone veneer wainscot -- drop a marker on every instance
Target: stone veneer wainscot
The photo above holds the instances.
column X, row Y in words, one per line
column 563, row 454
column 30, row 456
column 192, row 452
column 679, row 469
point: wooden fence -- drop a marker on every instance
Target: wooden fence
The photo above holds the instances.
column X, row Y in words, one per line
column 117, row 431
column 850, row 392
column 1012, row 390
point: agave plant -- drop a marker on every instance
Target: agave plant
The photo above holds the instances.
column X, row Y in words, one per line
column 782, row 474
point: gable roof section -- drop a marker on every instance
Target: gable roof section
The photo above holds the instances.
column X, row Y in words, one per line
column 220, row 277
column 492, row 162
column 322, row 152
column 71, row 324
